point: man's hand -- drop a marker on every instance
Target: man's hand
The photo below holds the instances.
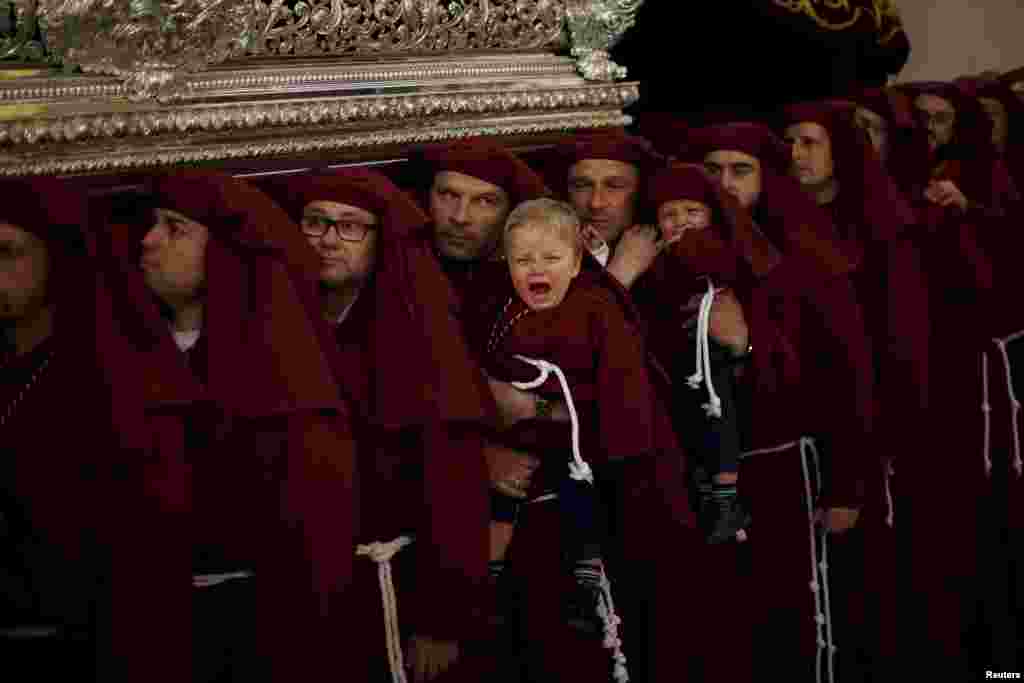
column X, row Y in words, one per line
column 430, row 658
column 837, row 520
column 513, row 404
column 945, row 193
column 727, row 325
column 636, row 251
column 510, row 471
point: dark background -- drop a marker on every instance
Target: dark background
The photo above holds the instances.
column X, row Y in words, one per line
column 705, row 58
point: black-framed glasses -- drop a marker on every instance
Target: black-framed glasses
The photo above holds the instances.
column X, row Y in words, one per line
column 317, row 225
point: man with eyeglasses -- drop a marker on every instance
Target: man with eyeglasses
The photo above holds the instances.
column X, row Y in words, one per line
column 966, row 172
column 419, row 401
column 345, row 237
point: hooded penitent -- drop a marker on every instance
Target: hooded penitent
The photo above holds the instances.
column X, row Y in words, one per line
column 794, row 319
column 63, row 474
column 417, row 394
column 788, row 217
column 253, row 453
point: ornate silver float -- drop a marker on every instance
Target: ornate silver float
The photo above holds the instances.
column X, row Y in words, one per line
column 94, row 86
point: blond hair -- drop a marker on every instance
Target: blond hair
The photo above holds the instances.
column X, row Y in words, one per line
column 551, row 214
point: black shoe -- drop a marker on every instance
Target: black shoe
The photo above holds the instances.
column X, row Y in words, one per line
column 723, row 517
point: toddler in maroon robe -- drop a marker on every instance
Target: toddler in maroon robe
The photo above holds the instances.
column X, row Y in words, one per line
column 554, row 327
column 705, row 404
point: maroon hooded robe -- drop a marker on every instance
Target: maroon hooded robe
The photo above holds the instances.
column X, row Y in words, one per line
column 70, row 483
column 249, row 442
column 949, row 538
column 877, row 226
column 761, row 587
column 416, row 395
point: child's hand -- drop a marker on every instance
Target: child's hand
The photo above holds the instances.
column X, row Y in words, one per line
column 638, row 247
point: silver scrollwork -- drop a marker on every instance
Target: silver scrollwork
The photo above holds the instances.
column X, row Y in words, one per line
column 148, row 43
column 176, row 124
column 339, row 27
column 595, row 27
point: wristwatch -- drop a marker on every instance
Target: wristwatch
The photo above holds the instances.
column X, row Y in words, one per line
column 543, row 408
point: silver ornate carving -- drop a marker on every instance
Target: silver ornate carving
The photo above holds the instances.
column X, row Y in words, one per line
column 595, row 27
column 150, row 44
column 79, row 133
column 18, row 40
column 339, row 27
column 277, row 80
column 146, row 159
column 409, row 110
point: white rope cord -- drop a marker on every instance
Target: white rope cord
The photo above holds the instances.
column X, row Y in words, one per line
column 986, row 410
column 822, row 618
column 381, row 553
column 606, row 610
column 887, row 472
column 702, row 372
column 823, row 565
column 209, row 580
column 1018, row 464
column 579, row 469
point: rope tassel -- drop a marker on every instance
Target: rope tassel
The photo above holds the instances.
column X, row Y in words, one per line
column 818, row 541
column 606, row 610
column 381, row 553
column 1018, row 463
column 579, row 469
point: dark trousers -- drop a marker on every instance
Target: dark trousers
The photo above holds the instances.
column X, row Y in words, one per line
column 224, row 634
column 47, row 655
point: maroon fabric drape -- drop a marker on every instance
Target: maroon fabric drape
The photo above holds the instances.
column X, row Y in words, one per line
column 907, row 141
column 72, row 473
column 1013, row 154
